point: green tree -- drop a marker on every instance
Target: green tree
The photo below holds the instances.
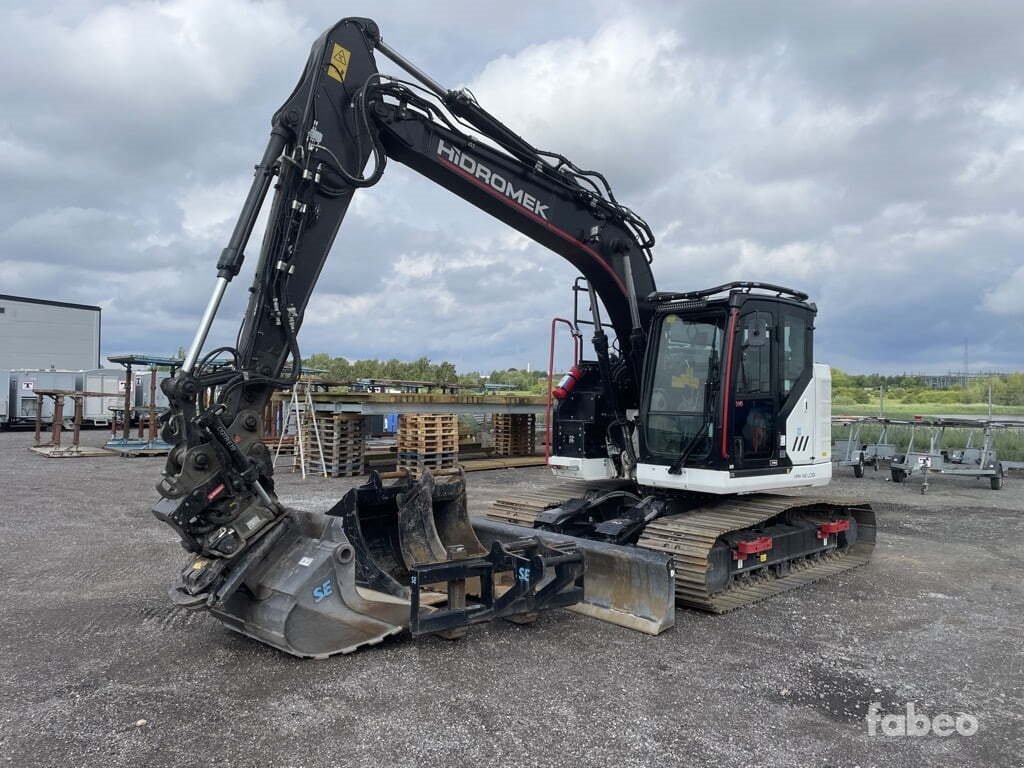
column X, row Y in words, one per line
column 445, row 373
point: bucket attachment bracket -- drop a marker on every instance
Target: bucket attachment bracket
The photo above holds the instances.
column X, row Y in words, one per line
column 541, row 576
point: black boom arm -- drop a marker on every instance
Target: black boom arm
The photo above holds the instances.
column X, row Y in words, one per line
column 333, row 135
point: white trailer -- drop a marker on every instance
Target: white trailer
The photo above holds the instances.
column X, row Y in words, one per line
column 23, row 402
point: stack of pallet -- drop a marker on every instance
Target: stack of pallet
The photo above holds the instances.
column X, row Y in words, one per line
column 427, row 441
column 341, row 438
column 515, row 434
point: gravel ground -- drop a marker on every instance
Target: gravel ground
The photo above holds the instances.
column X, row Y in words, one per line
column 99, row 669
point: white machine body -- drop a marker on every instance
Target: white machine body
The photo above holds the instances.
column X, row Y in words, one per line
column 807, row 441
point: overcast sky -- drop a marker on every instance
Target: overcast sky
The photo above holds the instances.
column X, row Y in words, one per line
column 871, row 154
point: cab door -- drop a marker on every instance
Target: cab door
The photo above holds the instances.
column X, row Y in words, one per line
column 753, row 422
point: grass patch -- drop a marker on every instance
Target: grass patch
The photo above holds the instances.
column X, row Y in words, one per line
column 910, row 410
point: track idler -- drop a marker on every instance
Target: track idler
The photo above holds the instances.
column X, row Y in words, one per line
column 383, row 560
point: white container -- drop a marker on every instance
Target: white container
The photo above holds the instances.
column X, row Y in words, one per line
column 24, row 384
column 99, row 410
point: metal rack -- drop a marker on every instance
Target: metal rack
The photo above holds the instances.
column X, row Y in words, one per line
column 925, row 452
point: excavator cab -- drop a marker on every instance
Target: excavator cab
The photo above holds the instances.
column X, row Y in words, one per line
column 729, row 387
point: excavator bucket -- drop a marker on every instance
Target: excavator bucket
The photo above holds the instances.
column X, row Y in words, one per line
column 369, row 516
column 451, row 516
column 383, row 560
column 303, row 597
column 417, row 535
column 396, row 527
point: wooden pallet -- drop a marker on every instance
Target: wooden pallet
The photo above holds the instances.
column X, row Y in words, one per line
column 515, row 434
column 413, row 457
column 512, row 462
column 354, row 469
column 436, row 468
column 427, row 441
column 342, row 441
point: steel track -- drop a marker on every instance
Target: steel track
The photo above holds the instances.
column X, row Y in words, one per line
column 688, row 537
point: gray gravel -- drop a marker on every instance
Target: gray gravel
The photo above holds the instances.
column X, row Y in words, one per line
column 92, row 648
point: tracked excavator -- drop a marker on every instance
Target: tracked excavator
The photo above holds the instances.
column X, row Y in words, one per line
column 675, row 433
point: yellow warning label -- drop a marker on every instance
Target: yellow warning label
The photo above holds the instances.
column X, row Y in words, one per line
column 337, row 67
column 685, row 380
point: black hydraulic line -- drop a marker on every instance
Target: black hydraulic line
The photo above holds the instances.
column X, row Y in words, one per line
column 745, row 286
column 412, row 69
column 600, row 341
column 555, row 212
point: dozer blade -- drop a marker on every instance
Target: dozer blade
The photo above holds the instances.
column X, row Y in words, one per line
column 628, row 586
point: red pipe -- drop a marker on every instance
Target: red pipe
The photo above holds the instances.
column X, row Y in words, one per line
column 726, row 397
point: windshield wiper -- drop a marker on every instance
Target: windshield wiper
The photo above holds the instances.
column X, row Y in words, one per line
column 677, row 465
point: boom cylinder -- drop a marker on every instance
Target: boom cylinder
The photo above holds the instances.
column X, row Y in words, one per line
column 205, row 324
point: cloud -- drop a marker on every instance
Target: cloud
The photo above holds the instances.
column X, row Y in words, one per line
column 1007, row 298
column 869, row 154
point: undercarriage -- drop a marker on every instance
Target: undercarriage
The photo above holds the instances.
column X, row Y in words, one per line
column 725, row 551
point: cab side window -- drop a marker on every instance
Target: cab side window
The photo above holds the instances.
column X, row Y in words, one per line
column 755, row 354
column 794, row 350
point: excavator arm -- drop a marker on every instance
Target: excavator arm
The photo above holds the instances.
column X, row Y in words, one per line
column 342, row 116
column 333, row 135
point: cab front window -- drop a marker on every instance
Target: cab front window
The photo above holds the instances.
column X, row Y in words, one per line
column 689, row 351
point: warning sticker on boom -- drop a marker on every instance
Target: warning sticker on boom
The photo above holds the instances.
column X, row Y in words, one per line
column 337, row 67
